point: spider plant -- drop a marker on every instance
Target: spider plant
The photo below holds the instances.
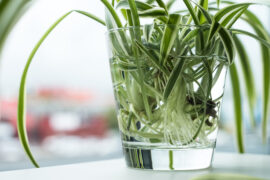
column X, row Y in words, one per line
column 213, row 34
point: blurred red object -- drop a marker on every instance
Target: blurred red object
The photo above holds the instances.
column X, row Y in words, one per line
column 8, row 109
column 97, row 126
column 45, row 103
column 65, row 94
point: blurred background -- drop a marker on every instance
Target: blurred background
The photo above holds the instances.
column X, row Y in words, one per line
column 71, row 115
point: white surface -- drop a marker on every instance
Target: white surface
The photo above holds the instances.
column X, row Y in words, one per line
column 256, row 165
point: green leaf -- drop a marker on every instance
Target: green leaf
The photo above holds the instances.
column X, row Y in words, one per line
column 10, row 12
column 150, row 1
column 118, row 39
column 209, row 79
column 231, row 18
column 228, row 44
column 192, row 12
column 134, row 13
column 236, row 17
column 135, row 19
column 153, row 12
column 204, row 12
column 125, row 66
column 261, row 40
column 169, row 36
column 162, row 5
column 175, row 74
column 248, row 77
column 237, row 107
column 113, row 13
column 153, row 59
column 141, row 6
column 262, row 33
column 227, row 15
column 226, row 11
column 123, row 11
column 255, row 23
column 169, row 4
column 218, row 3
column 147, row 32
column 21, row 120
column 193, row 33
column 91, row 16
column 204, row 5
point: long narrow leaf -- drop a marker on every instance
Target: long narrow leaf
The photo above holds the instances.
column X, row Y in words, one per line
column 135, row 19
column 134, row 13
column 113, row 13
column 232, row 17
column 10, row 12
column 169, row 4
column 204, row 5
column 91, row 16
column 169, row 36
column 204, row 12
column 224, row 17
column 192, row 12
column 228, row 10
column 228, row 43
column 255, row 23
column 237, row 107
column 21, row 120
column 218, row 3
column 261, row 40
column 153, row 59
column 162, row 5
column 123, row 11
column 141, row 6
column 153, row 12
column 173, row 78
column 236, row 17
column 248, row 77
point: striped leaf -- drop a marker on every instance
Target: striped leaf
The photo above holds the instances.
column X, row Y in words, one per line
column 141, row 6
column 237, row 107
column 153, row 59
column 255, row 23
column 169, row 36
column 21, row 120
column 192, row 12
column 162, row 5
column 248, row 77
column 228, row 43
column 175, row 74
column 153, row 12
column 224, row 17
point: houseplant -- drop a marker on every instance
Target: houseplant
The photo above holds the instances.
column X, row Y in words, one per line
column 156, row 81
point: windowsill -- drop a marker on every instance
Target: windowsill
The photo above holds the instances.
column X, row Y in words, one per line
column 254, row 165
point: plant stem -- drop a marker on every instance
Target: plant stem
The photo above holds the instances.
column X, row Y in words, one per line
column 171, row 160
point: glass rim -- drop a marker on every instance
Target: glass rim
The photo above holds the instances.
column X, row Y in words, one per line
column 161, row 25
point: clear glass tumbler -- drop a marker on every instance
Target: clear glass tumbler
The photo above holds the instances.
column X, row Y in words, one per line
column 168, row 91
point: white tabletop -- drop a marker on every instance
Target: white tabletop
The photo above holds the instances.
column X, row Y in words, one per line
column 255, row 165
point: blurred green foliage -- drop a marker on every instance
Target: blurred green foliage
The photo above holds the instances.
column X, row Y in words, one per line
column 10, row 12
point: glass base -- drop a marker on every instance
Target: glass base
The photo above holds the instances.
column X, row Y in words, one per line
column 168, row 159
